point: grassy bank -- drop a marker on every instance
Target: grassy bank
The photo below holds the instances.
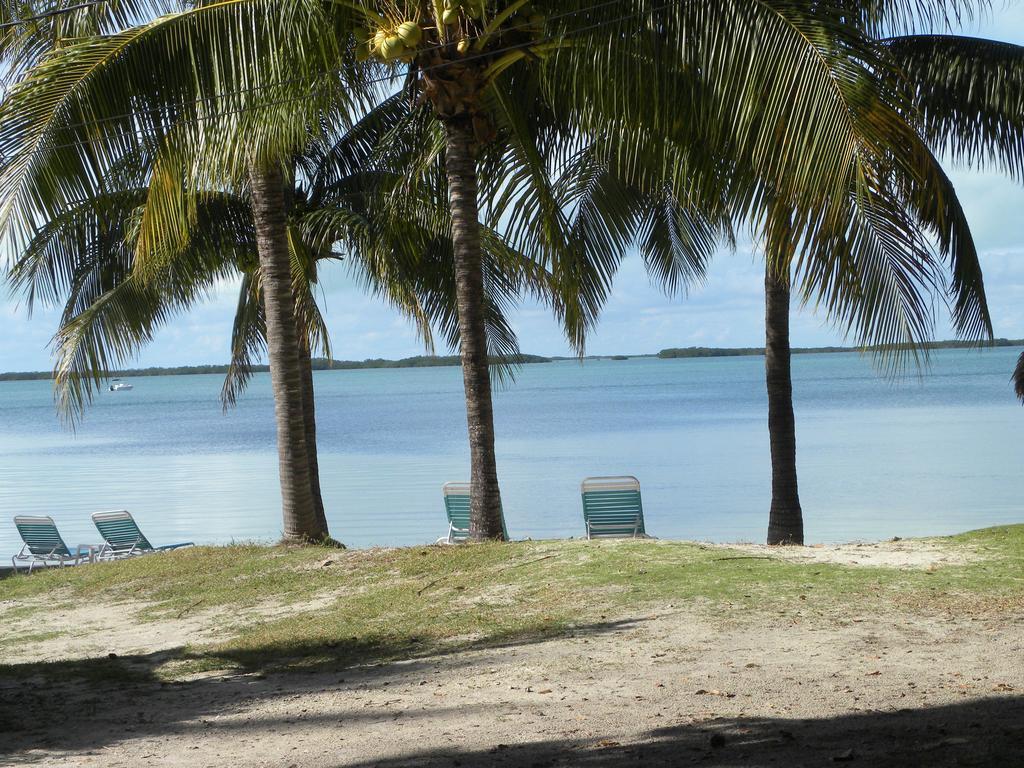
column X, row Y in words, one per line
column 280, row 607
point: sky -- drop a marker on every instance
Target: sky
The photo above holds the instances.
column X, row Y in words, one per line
column 727, row 311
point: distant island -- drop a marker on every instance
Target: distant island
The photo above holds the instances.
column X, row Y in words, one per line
column 676, row 352
column 319, row 364
column 436, row 361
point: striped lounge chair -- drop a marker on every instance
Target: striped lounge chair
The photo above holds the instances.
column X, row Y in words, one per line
column 612, row 507
column 44, row 545
column 122, row 537
column 456, row 506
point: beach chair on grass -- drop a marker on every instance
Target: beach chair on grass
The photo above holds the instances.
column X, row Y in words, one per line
column 612, row 507
column 122, row 537
column 44, row 545
column 456, row 506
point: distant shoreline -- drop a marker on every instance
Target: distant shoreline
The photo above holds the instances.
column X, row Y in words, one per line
column 437, row 361
column 319, row 364
column 681, row 352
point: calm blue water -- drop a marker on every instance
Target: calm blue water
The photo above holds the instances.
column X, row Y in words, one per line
column 933, row 455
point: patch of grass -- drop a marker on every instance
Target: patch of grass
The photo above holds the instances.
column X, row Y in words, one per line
column 333, row 608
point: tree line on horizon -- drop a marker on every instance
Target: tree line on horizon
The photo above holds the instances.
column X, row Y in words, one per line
column 439, row 361
column 456, row 156
column 317, row 363
column 680, row 352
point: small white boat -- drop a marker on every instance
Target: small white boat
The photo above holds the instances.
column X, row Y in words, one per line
column 119, row 386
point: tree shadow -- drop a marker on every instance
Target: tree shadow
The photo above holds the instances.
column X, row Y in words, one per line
column 334, row 655
column 985, row 732
column 85, row 706
column 45, row 704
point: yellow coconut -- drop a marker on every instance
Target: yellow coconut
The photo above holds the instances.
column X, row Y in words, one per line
column 463, row 46
column 410, row 33
column 392, row 47
column 378, row 39
column 451, row 16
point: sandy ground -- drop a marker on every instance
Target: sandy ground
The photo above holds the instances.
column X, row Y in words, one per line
column 662, row 689
column 99, row 632
column 896, row 553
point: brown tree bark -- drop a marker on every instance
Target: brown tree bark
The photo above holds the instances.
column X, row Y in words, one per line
column 1018, row 378
column 460, row 163
column 785, row 520
column 309, row 414
column 300, row 519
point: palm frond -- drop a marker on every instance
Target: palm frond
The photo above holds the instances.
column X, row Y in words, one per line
column 969, row 97
column 108, row 333
column 882, row 17
column 87, row 237
column 248, row 340
column 110, row 312
column 34, row 29
column 253, row 68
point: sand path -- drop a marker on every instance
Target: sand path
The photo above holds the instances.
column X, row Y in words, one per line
column 665, row 688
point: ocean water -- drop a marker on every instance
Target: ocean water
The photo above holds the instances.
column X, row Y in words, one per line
column 934, row 454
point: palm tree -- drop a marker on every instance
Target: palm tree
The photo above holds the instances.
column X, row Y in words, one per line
column 86, row 258
column 970, row 97
column 964, row 97
column 853, row 235
column 858, row 249
column 518, row 95
column 162, row 136
column 112, row 77
column 487, row 76
column 785, row 516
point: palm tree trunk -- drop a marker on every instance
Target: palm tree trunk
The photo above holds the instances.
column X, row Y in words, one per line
column 305, row 360
column 785, row 521
column 309, row 414
column 1018, row 378
column 485, row 505
column 268, row 203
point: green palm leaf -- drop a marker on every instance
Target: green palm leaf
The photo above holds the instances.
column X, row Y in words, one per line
column 969, row 94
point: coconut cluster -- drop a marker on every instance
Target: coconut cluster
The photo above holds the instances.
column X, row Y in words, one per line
column 398, row 40
column 390, row 43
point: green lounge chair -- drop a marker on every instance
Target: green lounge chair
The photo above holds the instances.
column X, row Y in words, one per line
column 44, row 545
column 456, row 506
column 123, row 538
column 612, row 507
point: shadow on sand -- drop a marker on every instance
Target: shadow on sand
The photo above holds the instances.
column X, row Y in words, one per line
column 104, row 702
column 50, row 704
column 986, row 732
